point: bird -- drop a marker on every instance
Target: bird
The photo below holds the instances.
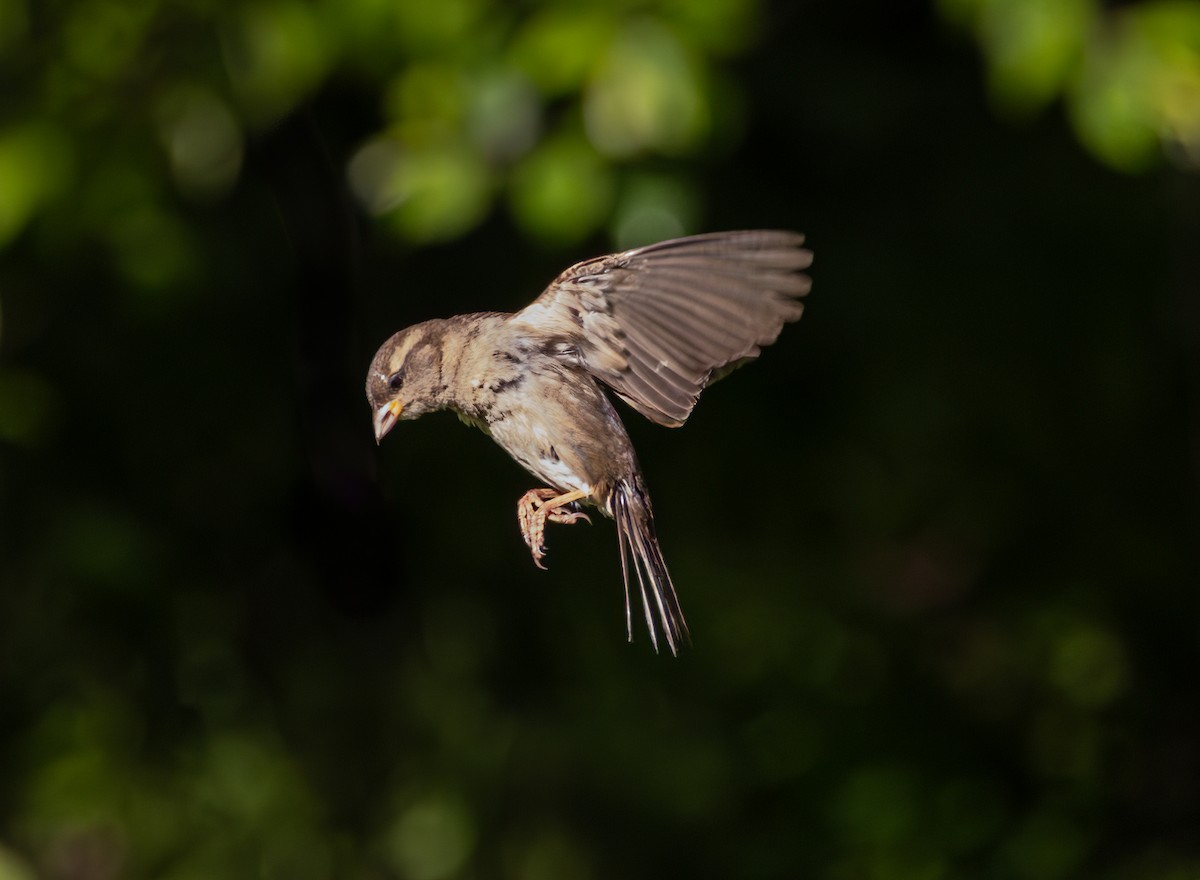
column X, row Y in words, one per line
column 654, row 326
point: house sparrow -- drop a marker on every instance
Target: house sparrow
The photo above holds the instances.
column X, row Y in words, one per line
column 654, row 324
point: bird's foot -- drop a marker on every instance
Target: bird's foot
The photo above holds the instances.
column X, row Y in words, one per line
column 537, row 506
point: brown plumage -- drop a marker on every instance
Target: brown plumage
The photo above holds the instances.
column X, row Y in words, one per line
column 655, row 324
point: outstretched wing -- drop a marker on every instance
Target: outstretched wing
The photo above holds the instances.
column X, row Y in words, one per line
column 658, row 323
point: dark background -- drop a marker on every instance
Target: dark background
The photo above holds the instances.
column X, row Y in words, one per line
column 937, row 548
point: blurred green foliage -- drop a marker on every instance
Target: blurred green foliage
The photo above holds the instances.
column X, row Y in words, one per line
column 1130, row 76
column 480, row 101
column 938, row 549
column 477, row 102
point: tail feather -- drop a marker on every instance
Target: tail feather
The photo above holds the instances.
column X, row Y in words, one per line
column 638, row 541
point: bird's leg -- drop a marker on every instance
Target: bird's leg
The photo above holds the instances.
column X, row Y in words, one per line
column 538, row 505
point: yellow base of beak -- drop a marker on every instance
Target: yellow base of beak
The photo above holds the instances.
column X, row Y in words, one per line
column 386, row 418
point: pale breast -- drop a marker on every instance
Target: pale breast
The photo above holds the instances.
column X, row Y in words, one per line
column 542, row 447
column 546, row 412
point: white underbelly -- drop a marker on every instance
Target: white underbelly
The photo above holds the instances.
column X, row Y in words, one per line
column 531, row 445
column 555, row 473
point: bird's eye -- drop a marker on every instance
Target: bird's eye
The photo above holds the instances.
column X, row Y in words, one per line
column 396, row 380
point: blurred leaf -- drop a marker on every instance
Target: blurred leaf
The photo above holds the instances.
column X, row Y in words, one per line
column 431, row 838
column 559, row 47
column 877, row 806
column 1112, row 111
column 426, row 192
column 430, row 28
column 428, row 97
column 153, row 248
column 12, row 867
column 203, row 141
column 1033, row 46
column 562, row 191
column 504, row 118
column 275, row 53
column 1089, row 664
column 654, row 207
column 723, row 26
column 35, row 165
column 1163, row 45
column 648, row 95
column 248, row 778
column 80, row 776
column 104, row 38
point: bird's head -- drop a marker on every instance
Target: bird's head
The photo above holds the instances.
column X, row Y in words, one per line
column 405, row 378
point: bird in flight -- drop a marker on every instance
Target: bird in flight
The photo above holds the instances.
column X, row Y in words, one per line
column 655, row 325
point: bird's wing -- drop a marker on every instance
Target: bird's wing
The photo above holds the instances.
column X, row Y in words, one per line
column 658, row 323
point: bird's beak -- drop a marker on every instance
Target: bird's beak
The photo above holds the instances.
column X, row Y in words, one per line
column 385, row 418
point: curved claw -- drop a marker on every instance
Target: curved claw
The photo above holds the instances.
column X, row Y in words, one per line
column 567, row 517
column 537, row 506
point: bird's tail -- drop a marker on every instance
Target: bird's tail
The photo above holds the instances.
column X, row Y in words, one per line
column 635, row 532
